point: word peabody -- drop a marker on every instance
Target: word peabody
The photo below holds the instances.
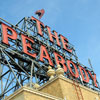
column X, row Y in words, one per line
column 27, row 43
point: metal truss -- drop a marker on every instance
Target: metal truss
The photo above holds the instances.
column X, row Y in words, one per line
column 18, row 68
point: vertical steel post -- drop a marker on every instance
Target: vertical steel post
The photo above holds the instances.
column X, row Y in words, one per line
column 31, row 74
column 1, row 70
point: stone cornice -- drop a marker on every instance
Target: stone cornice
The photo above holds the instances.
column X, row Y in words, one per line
column 28, row 89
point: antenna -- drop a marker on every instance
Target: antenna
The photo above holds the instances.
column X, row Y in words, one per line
column 90, row 64
column 92, row 69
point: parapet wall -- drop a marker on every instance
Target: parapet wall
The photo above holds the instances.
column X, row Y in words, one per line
column 58, row 88
column 64, row 88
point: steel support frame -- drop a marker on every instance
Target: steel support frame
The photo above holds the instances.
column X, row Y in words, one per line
column 17, row 68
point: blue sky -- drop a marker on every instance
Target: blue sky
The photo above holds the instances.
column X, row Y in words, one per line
column 77, row 20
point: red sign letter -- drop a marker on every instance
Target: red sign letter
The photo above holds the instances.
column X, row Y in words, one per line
column 60, row 60
column 38, row 24
column 83, row 72
column 27, row 45
column 5, row 30
column 65, row 43
column 51, row 36
column 93, row 78
column 76, row 74
column 44, row 54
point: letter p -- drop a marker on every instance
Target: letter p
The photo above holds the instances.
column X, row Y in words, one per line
column 5, row 33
